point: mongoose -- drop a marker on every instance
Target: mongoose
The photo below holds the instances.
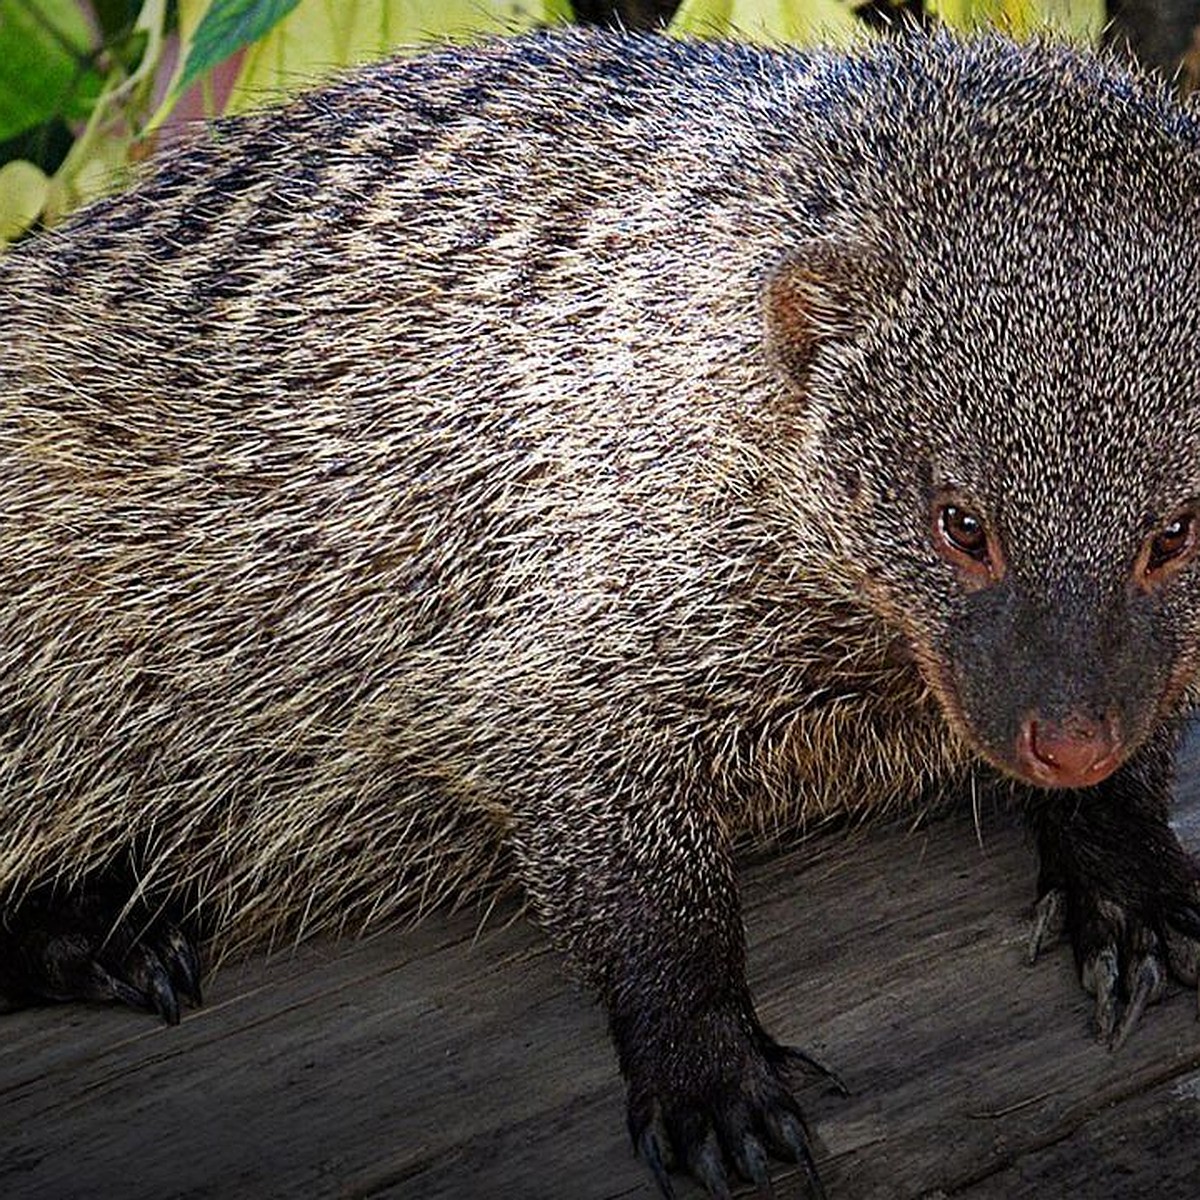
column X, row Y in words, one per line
column 581, row 452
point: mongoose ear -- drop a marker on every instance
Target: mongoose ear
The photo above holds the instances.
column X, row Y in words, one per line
column 826, row 292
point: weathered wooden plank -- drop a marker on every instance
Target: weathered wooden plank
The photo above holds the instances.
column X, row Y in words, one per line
column 433, row 1063
column 1143, row 1145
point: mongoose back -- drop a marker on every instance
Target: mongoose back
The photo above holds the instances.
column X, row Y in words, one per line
column 577, row 453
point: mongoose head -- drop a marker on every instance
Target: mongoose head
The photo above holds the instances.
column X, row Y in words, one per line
column 1001, row 397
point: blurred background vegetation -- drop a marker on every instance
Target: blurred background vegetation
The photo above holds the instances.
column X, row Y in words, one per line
column 88, row 88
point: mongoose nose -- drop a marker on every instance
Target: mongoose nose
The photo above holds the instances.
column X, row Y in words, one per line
column 1079, row 752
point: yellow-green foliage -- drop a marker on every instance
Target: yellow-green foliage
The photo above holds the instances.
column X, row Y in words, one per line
column 117, row 92
column 316, row 37
column 50, row 53
column 1078, row 20
column 796, row 22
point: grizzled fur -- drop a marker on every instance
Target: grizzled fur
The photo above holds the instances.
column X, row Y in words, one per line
column 537, row 450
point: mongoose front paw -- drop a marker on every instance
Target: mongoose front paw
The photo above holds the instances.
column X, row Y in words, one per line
column 86, row 946
column 708, row 1114
column 1125, row 954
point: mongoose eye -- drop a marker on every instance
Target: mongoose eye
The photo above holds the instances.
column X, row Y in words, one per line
column 964, row 531
column 1173, row 543
column 961, row 537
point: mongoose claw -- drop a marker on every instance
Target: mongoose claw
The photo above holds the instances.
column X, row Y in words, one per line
column 708, row 1166
column 795, row 1056
column 1101, row 978
column 788, row 1131
column 650, row 1147
column 1123, row 994
column 162, row 975
column 1125, row 956
column 1048, row 921
column 185, row 964
column 1149, row 984
column 84, row 946
column 751, row 1160
column 717, row 1127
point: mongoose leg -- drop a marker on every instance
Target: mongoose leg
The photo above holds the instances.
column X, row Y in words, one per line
column 82, row 945
column 1116, row 880
column 652, row 919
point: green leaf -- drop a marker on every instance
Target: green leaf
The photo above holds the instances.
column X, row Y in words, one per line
column 1079, row 20
column 46, row 64
column 791, row 22
column 23, row 191
column 320, row 37
column 227, row 26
